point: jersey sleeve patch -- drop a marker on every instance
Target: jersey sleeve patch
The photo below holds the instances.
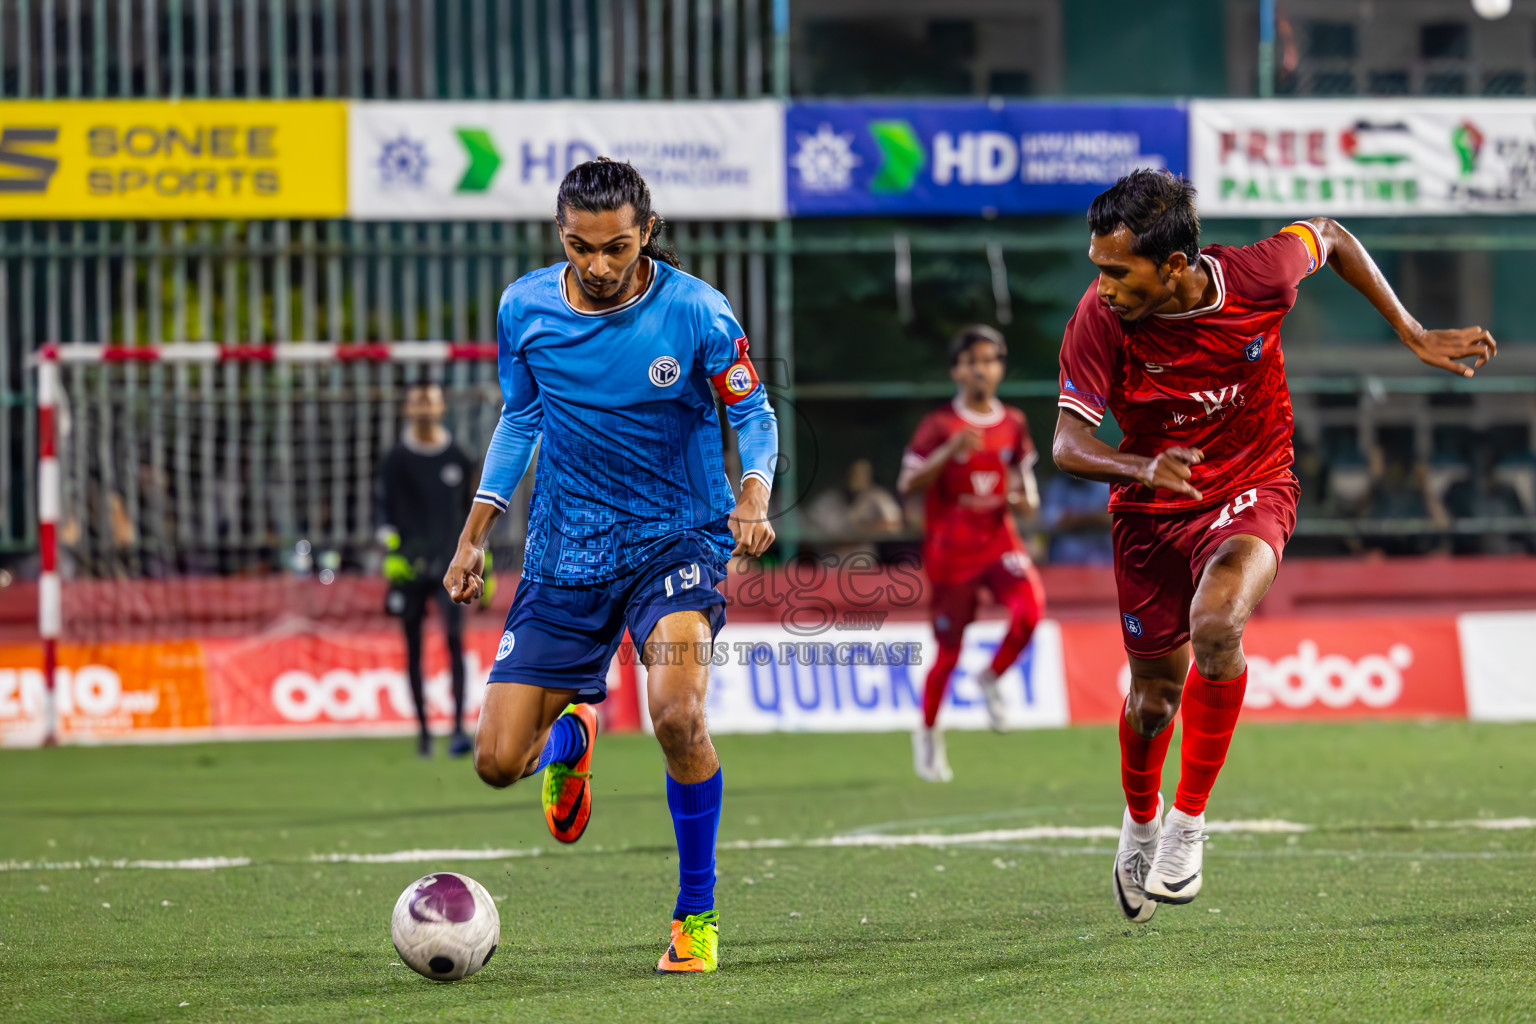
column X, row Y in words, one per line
column 738, row 380
column 1085, row 403
column 1317, row 253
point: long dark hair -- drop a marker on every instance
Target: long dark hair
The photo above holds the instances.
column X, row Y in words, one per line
column 600, row 185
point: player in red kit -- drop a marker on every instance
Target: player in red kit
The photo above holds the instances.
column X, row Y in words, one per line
column 1181, row 345
column 976, row 462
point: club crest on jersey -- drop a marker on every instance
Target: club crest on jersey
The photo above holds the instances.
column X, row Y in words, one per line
column 1254, row 349
column 452, row 474
column 505, row 647
column 665, row 371
column 1132, row 624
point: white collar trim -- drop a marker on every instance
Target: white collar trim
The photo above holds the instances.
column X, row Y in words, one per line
column 417, row 447
column 1221, row 293
column 976, row 419
column 628, row 304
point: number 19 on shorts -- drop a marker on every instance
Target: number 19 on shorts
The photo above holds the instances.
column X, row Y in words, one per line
column 687, row 579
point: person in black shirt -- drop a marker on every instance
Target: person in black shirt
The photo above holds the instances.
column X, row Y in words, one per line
column 425, row 493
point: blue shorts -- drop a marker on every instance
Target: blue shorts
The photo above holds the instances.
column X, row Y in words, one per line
column 566, row 636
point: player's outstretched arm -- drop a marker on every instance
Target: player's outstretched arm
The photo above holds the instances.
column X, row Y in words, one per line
column 1439, row 348
column 1076, row 451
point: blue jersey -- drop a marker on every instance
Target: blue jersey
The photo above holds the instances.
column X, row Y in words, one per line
column 622, row 406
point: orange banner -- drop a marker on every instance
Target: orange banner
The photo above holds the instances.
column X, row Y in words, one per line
column 105, row 691
column 1297, row 669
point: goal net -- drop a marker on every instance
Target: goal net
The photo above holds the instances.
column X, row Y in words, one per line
column 209, row 518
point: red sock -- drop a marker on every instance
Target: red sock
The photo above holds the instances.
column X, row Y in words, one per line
column 1210, row 715
column 938, row 682
column 1024, row 612
column 1141, row 769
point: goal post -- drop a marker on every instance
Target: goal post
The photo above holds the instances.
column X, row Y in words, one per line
column 207, row 509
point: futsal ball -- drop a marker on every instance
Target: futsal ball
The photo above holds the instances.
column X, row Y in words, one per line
column 445, row 926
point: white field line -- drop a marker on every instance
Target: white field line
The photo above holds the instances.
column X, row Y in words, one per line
column 932, row 840
column 421, row 856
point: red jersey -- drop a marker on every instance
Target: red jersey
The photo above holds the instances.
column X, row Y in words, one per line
column 1211, row 378
column 968, row 524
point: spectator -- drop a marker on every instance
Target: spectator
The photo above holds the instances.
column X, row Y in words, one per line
column 859, row 510
column 1076, row 511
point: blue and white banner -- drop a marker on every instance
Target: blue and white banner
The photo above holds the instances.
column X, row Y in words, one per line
column 504, row 161
column 971, row 159
column 765, row 678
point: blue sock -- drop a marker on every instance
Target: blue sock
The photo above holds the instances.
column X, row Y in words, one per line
column 567, row 742
column 696, row 819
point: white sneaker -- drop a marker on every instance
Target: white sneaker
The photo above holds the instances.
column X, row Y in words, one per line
column 1133, row 859
column 992, row 692
column 1175, row 873
column 928, row 757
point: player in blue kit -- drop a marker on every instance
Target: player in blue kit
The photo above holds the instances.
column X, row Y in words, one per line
column 611, row 363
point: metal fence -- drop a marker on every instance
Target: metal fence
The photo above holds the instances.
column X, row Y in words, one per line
column 135, row 283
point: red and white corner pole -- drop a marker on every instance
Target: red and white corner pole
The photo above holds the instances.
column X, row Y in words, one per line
column 49, row 595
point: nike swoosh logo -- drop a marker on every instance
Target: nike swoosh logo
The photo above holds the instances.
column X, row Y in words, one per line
column 673, row 958
column 1125, row 906
column 561, row 824
column 1177, row 886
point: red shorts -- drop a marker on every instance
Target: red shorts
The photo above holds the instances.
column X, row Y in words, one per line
column 1011, row 578
column 1159, row 558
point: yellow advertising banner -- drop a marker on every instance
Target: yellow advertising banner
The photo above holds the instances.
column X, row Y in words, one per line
column 191, row 158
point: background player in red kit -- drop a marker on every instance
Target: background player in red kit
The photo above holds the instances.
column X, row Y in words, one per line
column 976, row 461
column 1182, row 346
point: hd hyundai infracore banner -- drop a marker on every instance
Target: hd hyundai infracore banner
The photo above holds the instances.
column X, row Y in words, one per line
column 973, row 158
column 504, row 161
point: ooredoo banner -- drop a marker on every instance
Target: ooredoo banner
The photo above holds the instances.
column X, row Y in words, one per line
column 504, row 161
column 337, row 682
column 853, row 159
column 192, row 158
column 1363, row 156
column 1297, row 669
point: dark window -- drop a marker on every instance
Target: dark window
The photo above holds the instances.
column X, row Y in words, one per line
column 1009, row 83
column 952, row 39
column 1435, row 288
column 1389, row 83
column 1333, row 83
column 1445, row 83
column 1504, row 83
column 1445, row 40
column 1334, row 39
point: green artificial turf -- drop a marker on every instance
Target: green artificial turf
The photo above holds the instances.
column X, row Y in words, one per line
column 1377, row 914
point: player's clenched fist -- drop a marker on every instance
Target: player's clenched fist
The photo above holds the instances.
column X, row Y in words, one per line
column 749, row 523
column 1169, row 470
column 464, row 580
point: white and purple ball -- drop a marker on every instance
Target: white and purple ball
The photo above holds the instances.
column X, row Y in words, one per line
column 445, row 926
